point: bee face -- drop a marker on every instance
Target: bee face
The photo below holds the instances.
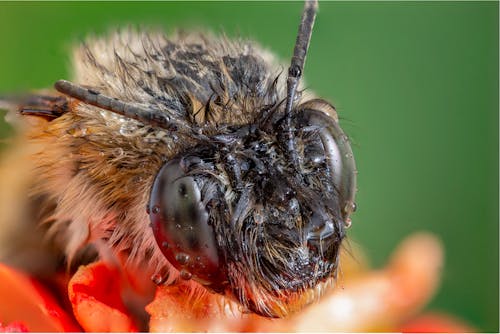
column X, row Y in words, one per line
column 249, row 181
column 234, row 214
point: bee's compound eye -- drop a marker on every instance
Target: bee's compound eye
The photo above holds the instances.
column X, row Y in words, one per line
column 338, row 154
column 181, row 227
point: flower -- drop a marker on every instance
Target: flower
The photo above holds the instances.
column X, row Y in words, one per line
column 388, row 299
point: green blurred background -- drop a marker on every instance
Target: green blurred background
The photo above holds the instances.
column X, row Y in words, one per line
column 416, row 86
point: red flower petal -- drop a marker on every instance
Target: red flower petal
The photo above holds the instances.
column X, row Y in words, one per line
column 94, row 292
column 26, row 300
column 15, row 327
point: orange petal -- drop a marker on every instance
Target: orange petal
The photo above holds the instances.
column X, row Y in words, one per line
column 436, row 323
column 26, row 300
column 94, row 292
column 187, row 307
column 379, row 300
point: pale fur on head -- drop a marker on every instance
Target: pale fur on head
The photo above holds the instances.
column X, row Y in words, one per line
column 95, row 168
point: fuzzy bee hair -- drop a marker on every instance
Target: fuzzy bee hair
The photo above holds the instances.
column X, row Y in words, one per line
column 94, row 163
column 90, row 171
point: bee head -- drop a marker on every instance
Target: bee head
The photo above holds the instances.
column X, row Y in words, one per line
column 260, row 212
column 255, row 211
column 238, row 216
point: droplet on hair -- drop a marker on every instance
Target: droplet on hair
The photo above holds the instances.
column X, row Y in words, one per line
column 158, row 279
column 350, row 207
column 118, row 152
column 294, row 206
column 127, row 129
column 77, row 131
column 151, row 140
column 347, row 223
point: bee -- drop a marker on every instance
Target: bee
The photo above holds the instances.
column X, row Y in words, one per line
column 188, row 158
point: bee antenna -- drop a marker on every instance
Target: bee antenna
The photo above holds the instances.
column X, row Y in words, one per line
column 296, row 68
column 156, row 118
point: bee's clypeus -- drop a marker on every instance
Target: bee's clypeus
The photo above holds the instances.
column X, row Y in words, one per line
column 248, row 180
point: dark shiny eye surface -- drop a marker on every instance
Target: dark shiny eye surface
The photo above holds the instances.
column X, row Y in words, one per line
column 338, row 155
column 180, row 223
